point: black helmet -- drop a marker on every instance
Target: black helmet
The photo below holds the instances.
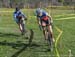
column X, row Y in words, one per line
column 17, row 9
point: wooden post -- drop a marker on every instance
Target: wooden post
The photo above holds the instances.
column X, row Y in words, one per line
column 40, row 5
column 70, row 53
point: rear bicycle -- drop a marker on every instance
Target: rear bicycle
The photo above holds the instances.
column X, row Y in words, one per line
column 26, row 32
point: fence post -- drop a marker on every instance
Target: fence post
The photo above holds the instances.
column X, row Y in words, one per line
column 70, row 53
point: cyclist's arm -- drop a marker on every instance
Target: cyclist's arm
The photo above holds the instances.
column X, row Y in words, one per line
column 24, row 16
column 38, row 21
column 14, row 16
column 51, row 21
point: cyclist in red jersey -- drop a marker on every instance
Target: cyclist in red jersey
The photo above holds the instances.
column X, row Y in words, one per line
column 44, row 19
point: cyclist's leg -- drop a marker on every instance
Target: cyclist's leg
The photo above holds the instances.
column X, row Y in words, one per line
column 19, row 22
column 22, row 26
column 44, row 33
column 50, row 29
column 51, row 32
column 44, row 29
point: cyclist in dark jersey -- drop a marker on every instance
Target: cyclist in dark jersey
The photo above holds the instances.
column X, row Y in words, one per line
column 18, row 16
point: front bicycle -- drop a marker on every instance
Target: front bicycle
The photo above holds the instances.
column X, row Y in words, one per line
column 50, row 41
column 49, row 38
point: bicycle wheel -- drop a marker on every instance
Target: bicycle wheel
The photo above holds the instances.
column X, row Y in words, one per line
column 50, row 42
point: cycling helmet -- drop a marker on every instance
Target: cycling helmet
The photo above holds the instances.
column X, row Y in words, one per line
column 17, row 9
column 39, row 10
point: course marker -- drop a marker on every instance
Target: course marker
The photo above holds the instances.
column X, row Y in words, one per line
column 56, row 42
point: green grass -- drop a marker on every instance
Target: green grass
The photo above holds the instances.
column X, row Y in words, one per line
column 12, row 44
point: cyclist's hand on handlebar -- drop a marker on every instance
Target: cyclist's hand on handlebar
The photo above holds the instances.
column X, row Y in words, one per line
column 51, row 21
column 25, row 18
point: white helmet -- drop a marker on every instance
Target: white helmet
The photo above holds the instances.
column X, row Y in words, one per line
column 38, row 10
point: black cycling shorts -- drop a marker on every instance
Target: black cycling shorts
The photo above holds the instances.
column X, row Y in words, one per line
column 46, row 22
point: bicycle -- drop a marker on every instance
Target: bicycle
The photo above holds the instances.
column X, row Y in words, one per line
column 28, row 33
column 48, row 37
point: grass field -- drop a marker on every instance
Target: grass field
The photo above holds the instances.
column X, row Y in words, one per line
column 12, row 44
